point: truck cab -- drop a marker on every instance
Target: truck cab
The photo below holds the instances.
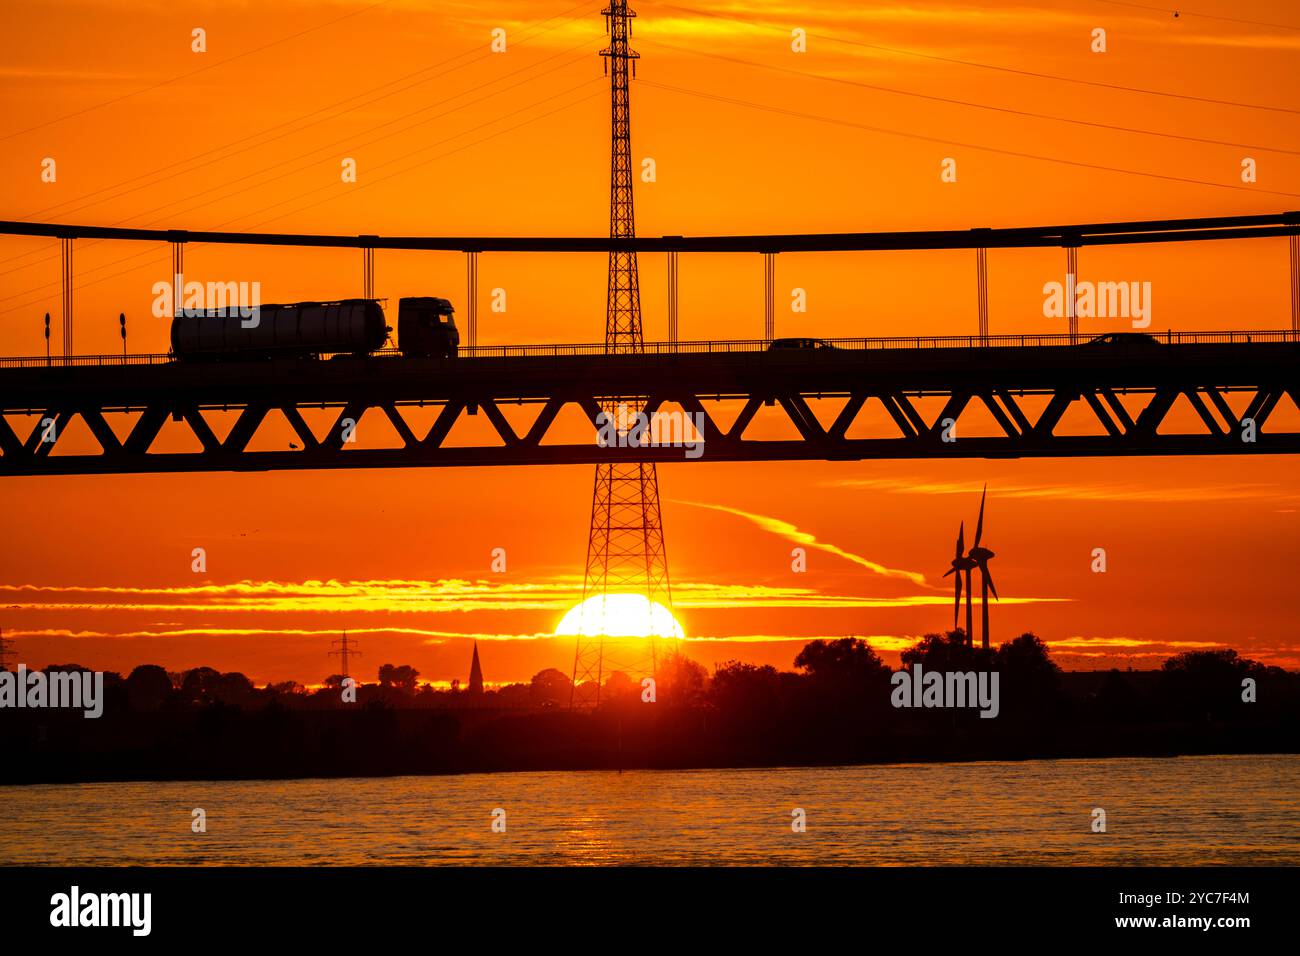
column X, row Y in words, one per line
column 426, row 328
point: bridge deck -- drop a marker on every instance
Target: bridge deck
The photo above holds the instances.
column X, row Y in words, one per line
column 725, row 346
column 1202, row 367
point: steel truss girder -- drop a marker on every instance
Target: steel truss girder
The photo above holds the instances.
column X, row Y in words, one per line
column 698, row 385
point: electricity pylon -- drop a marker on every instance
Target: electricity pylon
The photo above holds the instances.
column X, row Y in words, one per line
column 346, row 650
column 625, row 549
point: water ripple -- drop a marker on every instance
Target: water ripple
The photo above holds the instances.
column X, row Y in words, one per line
column 1174, row 811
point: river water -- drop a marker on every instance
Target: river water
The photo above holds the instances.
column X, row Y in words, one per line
column 1170, row 811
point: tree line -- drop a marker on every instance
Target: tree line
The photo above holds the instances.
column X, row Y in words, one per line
column 833, row 707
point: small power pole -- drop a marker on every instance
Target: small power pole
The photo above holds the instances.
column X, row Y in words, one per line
column 121, row 321
column 345, row 650
column 47, row 338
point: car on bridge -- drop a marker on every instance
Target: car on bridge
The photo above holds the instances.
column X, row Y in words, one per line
column 777, row 345
column 1124, row 338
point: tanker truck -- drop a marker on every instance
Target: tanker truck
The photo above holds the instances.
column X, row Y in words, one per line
column 426, row 328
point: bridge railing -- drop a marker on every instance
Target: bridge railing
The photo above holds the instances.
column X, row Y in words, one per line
column 894, row 342
column 724, row 346
column 62, row 361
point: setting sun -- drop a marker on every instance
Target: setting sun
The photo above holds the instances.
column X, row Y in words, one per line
column 619, row 615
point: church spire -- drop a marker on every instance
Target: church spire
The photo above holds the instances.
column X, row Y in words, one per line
column 475, row 674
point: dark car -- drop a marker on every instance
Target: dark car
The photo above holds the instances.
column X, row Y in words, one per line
column 1124, row 338
column 777, row 344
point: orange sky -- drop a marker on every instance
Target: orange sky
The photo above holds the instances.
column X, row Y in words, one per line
column 747, row 136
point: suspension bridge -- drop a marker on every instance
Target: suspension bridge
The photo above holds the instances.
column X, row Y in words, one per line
column 1026, row 384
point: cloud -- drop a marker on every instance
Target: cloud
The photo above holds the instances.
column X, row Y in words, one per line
column 791, row 532
column 1112, row 491
column 427, row 597
column 885, row 642
column 1122, row 651
column 388, row 596
column 226, row 632
column 1126, row 643
column 70, row 76
column 1249, row 41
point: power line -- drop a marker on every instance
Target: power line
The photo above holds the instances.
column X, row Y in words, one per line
column 331, row 146
column 221, row 157
column 186, row 76
column 325, row 148
column 970, row 103
column 451, row 152
column 990, row 66
column 281, row 128
column 86, row 285
column 1180, row 12
column 952, row 142
column 314, row 205
column 368, row 183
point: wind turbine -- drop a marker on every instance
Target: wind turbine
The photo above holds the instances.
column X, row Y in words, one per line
column 961, row 564
column 979, row 557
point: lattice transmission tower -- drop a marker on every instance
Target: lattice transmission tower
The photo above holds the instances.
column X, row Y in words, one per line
column 625, row 549
column 345, row 650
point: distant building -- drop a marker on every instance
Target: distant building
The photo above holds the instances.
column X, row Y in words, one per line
column 475, row 674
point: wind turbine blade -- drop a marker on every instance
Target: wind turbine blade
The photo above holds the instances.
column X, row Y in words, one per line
column 979, row 528
column 949, row 571
column 956, row 602
column 961, row 539
column 988, row 576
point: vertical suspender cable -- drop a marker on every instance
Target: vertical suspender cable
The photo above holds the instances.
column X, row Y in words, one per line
column 982, row 292
column 1295, row 283
column 1071, row 284
column 672, row 296
column 471, row 294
